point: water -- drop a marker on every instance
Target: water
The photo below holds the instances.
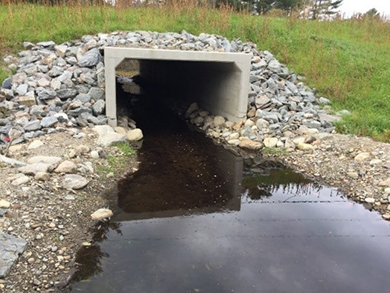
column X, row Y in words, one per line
column 194, row 218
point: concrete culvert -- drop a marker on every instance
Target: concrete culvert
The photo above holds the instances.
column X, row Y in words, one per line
column 218, row 82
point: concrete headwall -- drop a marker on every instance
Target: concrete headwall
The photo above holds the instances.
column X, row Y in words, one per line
column 217, row 81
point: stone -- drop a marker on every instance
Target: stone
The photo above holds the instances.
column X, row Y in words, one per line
column 27, row 101
column 44, row 159
column 42, row 176
column 83, row 98
column 198, row 121
column 94, row 155
column 234, row 142
column 261, row 101
column 102, row 214
column 110, row 138
column 270, row 142
column 10, row 249
column 369, row 200
column 48, row 121
column 96, row 93
column 120, row 130
column 387, row 190
column 219, row 121
column 102, row 129
column 7, row 83
column 73, row 181
column 4, row 204
column 362, row 156
column 274, row 66
column 82, row 149
column 35, row 144
column 21, row 180
column 305, row 147
column 66, row 167
column 33, row 125
column 90, row 59
column 98, row 107
column 12, row 162
column 353, row 175
column 250, row 144
column 385, row 183
column 22, row 89
column 61, row 50
column 33, row 169
column 134, row 135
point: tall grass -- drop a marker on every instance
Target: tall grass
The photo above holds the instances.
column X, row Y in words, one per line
column 347, row 61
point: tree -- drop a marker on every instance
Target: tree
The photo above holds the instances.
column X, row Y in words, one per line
column 287, row 5
column 372, row 13
column 324, row 8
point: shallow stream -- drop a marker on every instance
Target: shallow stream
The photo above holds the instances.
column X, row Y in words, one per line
column 197, row 218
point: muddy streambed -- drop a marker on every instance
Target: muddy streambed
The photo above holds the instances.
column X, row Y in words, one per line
column 197, row 218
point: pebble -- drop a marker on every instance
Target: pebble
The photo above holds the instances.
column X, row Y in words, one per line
column 362, row 156
column 101, row 214
column 73, row 181
column 134, row 135
column 42, row 176
column 35, row 144
column 270, row 142
column 66, row 167
column 369, row 200
column 4, row 204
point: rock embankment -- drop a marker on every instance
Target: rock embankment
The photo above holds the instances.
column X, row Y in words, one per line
column 63, row 84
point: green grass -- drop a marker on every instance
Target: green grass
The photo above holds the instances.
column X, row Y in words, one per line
column 117, row 162
column 347, row 61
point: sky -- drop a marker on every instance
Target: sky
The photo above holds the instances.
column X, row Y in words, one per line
column 361, row 6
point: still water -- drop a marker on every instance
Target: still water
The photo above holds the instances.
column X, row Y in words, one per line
column 196, row 218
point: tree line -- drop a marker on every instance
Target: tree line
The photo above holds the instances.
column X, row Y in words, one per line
column 311, row 9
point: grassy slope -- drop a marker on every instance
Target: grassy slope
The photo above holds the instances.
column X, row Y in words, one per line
column 347, row 61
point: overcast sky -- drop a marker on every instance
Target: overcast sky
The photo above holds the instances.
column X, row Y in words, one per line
column 360, row 6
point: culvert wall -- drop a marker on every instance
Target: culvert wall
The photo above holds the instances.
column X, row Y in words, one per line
column 217, row 81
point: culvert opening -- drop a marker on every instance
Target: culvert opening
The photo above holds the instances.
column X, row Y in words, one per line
column 218, row 82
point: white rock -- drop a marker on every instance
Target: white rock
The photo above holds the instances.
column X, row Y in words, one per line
column 94, row 155
column 73, row 181
column 387, row 190
column 4, row 204
column 362, row 156
column 270, row 142
column 101, row 214
column 234, row 136
column 120, row 130
column 110, row 138
column 44, row 159
column 135, row 135
column 234, row 142
column 353, row 175
column 305, row 147
column 219, row 121
column 103, row 129
column 20, row 181
column 369, row 200
column 42, row 176
column 33, row 169
column 12, row 162
column 35, row 144
column 66, row 167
